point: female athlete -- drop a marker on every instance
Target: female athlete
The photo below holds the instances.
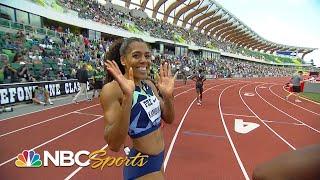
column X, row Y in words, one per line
column 132, row 106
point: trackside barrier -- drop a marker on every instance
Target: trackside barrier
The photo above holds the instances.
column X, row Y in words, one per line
column 22, row 92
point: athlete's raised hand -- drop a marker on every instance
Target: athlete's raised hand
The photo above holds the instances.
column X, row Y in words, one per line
column 126, row 84
column 166, row 81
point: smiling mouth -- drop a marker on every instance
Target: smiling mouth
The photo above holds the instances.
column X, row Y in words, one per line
column 142, row 69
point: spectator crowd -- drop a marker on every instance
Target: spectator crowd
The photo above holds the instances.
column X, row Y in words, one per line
column 27, row 56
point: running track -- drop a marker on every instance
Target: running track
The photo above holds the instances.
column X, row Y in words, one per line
column 200, row 144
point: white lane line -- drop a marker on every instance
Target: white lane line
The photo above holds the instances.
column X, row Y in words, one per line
column 192, row 133
column 175, row 135
column 228, row 114
column 279, row 122
column 258, row 82
column 285, row 112
column 41, row 122
column 285, row 141
column 178, row 129
column 77, row 112
column 79, row 168
column 55, row 138
column 244, row 172
column 39, row 110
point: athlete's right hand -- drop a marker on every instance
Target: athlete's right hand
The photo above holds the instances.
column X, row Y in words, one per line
column 127, row 85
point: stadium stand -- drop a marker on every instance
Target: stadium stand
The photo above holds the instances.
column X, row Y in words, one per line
column 52, row 52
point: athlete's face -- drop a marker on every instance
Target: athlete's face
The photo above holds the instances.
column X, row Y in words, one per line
column 138, row 56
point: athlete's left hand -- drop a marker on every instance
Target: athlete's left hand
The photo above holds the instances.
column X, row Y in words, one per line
column 166, row 81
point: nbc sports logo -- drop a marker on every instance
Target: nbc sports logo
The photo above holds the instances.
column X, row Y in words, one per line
column 28, row 159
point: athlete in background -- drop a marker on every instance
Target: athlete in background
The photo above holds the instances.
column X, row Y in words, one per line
column 296, row 85
column 199, row 78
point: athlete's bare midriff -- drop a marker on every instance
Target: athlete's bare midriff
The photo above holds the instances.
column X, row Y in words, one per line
column 151, row 144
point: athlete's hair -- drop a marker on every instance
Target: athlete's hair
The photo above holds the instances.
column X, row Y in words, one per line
column 119, row 48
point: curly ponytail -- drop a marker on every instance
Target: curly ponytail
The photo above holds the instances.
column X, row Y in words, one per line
column 114, row 54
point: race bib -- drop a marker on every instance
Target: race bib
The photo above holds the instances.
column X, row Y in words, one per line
column 152, row 107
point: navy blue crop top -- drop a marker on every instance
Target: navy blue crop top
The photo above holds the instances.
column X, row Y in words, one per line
column 145, row 112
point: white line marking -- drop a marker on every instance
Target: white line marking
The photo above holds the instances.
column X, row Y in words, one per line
column 249, row 94
column 41, row 122
column 217, row 89
column 258, row 82
column 262, row 120
column 183, row 92
column 244, row 127
column 175, row 135
column 38, row 111
column 55, row 138
column 244, row 172
column 202, row 134
column 53, row 99
column 190, row 90
column 285, row 112
column 279, row 122
column 79, row 168
column 227, row 114
column 178, row 129
column 291, row 102
column 77, row 112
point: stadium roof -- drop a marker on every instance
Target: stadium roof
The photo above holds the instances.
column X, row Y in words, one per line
column 212, row 19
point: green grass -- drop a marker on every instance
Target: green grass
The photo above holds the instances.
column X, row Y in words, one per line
column 311, row 96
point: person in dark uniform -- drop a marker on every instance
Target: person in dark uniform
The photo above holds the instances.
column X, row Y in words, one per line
column 184, row 75
column 199, row 79
column 82, row 76
column 151, row 73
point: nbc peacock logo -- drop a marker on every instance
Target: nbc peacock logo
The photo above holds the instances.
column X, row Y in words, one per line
column 28, row 159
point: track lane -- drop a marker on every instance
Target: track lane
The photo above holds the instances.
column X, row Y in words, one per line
column 82, row 139
column 294, row 112
column 282, row 124
column 279, row 90
column 202, row 149
column 294, row 104
column 251, row 147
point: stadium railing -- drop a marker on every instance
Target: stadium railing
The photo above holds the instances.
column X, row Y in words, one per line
column 28, row 28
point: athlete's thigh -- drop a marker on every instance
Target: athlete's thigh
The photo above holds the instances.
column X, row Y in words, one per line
column 198, row 90
column 201, row 90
